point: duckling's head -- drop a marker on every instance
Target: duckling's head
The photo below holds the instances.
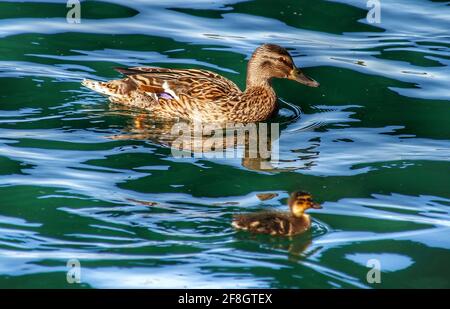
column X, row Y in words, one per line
column 301, row 201
column 273, row 61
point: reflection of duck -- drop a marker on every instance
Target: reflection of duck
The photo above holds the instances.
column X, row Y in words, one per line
column 140, row 127
column 278, row 223
column 203, row 95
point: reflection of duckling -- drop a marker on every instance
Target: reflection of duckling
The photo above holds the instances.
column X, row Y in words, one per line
column 278, row 223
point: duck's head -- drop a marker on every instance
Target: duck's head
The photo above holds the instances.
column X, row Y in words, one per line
column 273, row 61
column 301, row 201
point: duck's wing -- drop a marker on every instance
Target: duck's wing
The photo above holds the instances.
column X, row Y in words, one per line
column 174, row 83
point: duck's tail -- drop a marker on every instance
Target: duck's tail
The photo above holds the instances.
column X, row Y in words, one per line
column 114, row 88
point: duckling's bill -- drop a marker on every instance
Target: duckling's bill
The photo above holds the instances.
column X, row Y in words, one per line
column 316, row 206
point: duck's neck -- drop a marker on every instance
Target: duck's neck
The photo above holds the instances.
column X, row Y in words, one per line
column 258, row 83
column 256, row 77
column 259, row 102
column 260, row 87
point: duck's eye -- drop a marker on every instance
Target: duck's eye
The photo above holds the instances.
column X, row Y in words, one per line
column 284, row 61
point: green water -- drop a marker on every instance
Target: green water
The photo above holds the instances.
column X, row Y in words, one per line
column 83, row 179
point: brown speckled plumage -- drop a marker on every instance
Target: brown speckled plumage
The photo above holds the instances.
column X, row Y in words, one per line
column 279, row 223
column 273, row 223
column 200, row 95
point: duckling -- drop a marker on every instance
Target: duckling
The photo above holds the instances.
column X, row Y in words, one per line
column 201, row 95
column 279, row 223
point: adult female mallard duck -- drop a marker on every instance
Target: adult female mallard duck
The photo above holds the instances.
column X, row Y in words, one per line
column 200, row 95
column 280, row 223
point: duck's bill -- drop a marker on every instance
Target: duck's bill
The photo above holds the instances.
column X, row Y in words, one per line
column 316, row 206
column 300, row 77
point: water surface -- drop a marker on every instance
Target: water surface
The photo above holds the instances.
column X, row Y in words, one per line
column 80, row 178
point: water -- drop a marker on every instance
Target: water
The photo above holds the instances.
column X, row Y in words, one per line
column 82, row 179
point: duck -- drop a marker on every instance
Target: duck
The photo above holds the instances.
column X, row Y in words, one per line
column 280, row 223
column 204, row 96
